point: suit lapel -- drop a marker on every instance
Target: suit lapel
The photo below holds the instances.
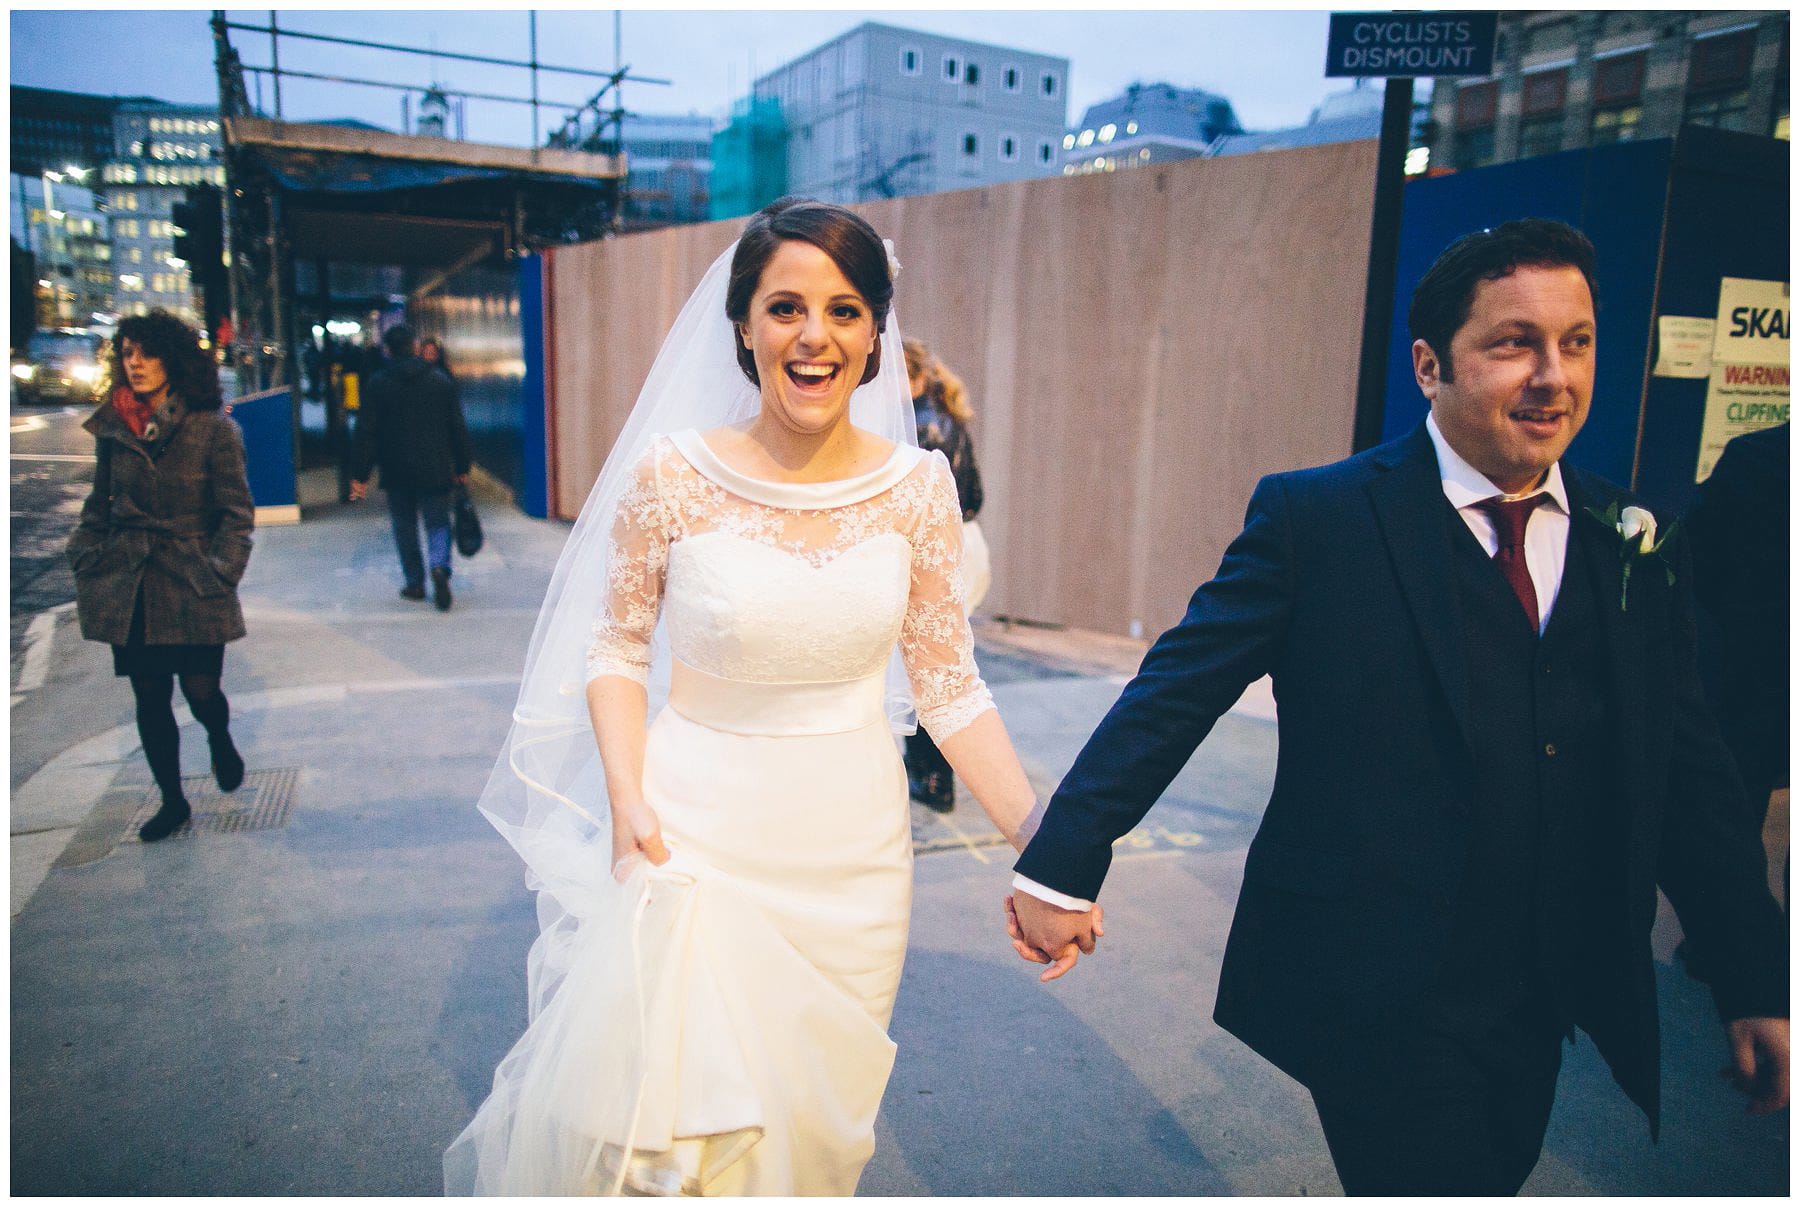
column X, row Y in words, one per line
column 1409, row 508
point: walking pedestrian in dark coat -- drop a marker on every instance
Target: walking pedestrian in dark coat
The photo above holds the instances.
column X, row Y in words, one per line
column 163, row 539
column 411, row 427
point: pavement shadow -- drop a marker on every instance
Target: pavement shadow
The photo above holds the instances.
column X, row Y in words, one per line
column 483, row 1011
column 1007, row 1104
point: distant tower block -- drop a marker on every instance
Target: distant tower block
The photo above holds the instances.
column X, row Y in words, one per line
column 434, row 113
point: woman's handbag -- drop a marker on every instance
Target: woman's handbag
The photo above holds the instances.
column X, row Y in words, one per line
column 465, row 522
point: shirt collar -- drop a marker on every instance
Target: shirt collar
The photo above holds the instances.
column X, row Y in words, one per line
column 1465, row 486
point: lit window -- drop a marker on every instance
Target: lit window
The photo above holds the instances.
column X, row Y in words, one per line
column 1068, row 142
column 1107, row 131
column 1086, row 139
column 1130, row 128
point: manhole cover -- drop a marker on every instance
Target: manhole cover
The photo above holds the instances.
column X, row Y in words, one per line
column 262, row 802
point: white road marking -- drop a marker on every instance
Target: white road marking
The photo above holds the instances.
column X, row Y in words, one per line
column 51, row 456
column 30, row 423
column 39, row 636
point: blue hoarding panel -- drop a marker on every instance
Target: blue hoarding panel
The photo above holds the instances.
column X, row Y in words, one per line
column 534, row 491
column 267, row 422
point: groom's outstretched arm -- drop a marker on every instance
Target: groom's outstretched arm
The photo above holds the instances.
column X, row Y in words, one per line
column 1231, row 635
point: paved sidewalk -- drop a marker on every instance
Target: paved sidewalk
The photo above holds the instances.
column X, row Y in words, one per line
column 309, row 993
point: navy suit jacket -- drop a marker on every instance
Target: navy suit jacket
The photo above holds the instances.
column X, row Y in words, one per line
column 1339, row 588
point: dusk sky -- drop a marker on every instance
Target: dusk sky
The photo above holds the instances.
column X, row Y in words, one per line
column 1269, row 64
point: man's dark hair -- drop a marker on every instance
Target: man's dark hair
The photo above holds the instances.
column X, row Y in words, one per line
column 842, row 234
column 1441, row 303
column 192, row 373
column 399, row 340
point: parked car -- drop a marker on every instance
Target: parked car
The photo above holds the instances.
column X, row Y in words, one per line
column 61, row 366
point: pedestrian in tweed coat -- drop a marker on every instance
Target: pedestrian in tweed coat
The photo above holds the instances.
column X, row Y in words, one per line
column 163, row 539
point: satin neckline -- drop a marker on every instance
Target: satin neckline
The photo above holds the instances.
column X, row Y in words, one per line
column 839, row 492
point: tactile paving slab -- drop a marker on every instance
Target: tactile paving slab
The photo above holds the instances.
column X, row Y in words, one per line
column 262, row 802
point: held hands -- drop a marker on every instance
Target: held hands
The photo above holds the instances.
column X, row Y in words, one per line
column 1048, row 934
column 1759, row 1062
column 636, row 833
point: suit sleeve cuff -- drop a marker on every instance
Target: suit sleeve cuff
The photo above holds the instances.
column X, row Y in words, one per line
column 1062, row 900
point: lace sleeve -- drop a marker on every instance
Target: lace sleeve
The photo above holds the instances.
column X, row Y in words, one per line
column 636, row 559
column 935, row 641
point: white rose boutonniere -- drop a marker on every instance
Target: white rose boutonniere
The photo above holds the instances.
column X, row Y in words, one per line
column 1637, row 542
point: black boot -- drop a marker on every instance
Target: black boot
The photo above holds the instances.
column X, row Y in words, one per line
column 227, row 763
column 928, row 776
column 440, row 588
column 171, row 817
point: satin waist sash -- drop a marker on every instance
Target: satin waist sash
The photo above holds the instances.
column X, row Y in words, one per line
column 775, row 709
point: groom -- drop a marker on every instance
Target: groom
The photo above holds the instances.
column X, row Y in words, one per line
column 1493, row 749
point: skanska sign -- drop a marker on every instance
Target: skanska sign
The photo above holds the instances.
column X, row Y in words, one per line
column 1411, row 44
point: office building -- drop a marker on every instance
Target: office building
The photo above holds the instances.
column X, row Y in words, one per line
column 1565, row 79
column 159, row 152
column 1146, row 124
column 888, row 112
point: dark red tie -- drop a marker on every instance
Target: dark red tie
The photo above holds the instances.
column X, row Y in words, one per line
column 1510, row 518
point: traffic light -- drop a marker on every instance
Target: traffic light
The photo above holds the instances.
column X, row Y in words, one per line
column 200, row 240
column 199, row 231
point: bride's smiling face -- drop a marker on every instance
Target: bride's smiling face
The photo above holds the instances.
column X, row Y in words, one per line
column 811, row 333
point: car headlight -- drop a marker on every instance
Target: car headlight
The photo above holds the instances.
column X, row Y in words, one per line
column 24, row 372
column 87, row 373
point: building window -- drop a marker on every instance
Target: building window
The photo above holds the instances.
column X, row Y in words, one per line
column 1474, row 148
column 1720, row 63
column 1619, row 123
column 1540, row 135
column 909, row 62
column 1009, row 78
column 972, row 74
column 952, row 68
column 971, row 145
column 1045, row 151
column 1009, row 149
column 1551, row 35
column 1619, row 79
column 1475, row 110
column 1049, row 84
column 1541, row 112
column 1720, row 110
column 1718, row 78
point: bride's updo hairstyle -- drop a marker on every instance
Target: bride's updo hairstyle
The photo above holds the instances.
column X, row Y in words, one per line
column 841, row 234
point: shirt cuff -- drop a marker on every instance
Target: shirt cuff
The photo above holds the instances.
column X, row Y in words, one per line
column 1062, row 900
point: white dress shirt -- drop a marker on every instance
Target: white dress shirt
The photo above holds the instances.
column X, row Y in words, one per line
column 1546, row 548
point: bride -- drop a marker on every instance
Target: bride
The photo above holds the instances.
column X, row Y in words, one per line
column 710, row 1017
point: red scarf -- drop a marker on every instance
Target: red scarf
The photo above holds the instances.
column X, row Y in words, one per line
column 135, row 413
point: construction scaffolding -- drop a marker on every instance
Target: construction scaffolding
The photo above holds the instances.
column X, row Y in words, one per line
column 324, row 193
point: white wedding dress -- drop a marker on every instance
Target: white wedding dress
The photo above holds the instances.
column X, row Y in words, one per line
column 717, row 1025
